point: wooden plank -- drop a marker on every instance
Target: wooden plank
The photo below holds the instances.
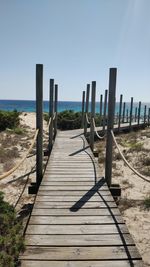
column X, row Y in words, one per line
column 77, row 229
column 88, row 205
column 78, row 240
column 119, row 263
column 57, row 182
column 70, row 193
column 63, row 188
column 88, row 212
column 66, row 179
column 83, row 198
column 81, row 253
column 75, row 220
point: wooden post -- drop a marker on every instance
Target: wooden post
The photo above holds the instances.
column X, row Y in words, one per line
column 139, row 112
column 101, row 106
column 39, row 123
column 120, row 111
column 110, row 124
column 145, row 109
column 131, row 110
column 117, row 116
column 105, row 107
column 92, row 114
column 51, row 112
column 148, row 117
column 55, row 109
column 86, row 108
column 127, row 115
column 123, row 114
column 135, row 114
column 83, row 104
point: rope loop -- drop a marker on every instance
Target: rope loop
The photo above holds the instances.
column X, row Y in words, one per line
column 4, row 175
column 49, row 123
column 87, row 119
column 127, row 163
column 95, row 129
column 54, row 116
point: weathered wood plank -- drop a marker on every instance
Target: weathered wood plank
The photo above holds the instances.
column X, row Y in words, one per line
column 75, row 220
column 83, row 212
column 77, row 229
column 71, row 193
column 63, row 188
column 83, row 198
column 81, row 253
column 79, row 240
column 87, row 205
column 119, row 263
column 72, row 183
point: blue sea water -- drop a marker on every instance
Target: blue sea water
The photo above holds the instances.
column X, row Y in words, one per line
column 30, row 106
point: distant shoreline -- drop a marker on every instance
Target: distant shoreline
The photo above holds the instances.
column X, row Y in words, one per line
column 30, row 106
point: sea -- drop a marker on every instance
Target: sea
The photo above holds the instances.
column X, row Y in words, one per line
column 30, row 106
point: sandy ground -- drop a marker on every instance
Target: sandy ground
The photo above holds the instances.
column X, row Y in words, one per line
column 134, row 189
column 13, row 185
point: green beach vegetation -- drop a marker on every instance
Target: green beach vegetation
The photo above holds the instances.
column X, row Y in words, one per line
column 11, row 237
column 69, row 119
column 9, row 119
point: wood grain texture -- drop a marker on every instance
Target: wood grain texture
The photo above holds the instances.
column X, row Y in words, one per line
column 81, row 253
column 120, row 263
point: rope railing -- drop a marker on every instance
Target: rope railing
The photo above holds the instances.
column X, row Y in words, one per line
column 54, row 116
column 95, row 129
column 4, row 175
column 87, row 119
column 49, row 123
column 127, row 163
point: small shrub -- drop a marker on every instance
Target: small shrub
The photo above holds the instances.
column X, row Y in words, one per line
column 9, row 119
column 11, row 240
column 117, row 156
column 135, row 147
column 146, row 202
column 69, row 119
column 101, row 158
column 145, row 161
column 18, row 130
column 145, row 171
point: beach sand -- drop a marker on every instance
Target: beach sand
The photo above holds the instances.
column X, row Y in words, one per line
column 134, row 189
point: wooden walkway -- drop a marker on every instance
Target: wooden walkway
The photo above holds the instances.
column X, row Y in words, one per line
column 75, row 221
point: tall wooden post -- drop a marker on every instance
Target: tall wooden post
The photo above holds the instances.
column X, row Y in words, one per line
column 123, row 113
column 92, row 114
column 83, row 104
column 105, row 107
column 55, row 109
column 39, row 123
column 120, row 112
column 145, row 109
column 135, row 114
column 148, row 117
column 51, row 112
column 86, row 108
column 101, row 107
column 131, row 110
column 139, row 112
column 110, row 124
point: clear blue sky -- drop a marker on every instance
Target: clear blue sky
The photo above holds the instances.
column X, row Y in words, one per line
column 77, row 41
